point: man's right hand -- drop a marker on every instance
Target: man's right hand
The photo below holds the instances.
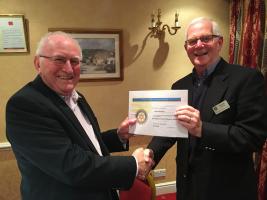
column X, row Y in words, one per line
column 145, row 161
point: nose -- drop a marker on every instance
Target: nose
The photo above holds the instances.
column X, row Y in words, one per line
column 199, row 42
column 68, row 67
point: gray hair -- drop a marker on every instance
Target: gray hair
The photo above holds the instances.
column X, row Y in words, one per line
column 215, row 27
column 45, row 39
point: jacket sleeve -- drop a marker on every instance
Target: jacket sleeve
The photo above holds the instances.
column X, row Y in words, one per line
column 112, row 141
column 160, row 145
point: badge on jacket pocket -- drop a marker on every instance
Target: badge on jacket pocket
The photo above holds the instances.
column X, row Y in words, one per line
column 220, row 107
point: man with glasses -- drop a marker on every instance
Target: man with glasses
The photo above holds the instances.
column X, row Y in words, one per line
column 55, row 136
column 226, row 122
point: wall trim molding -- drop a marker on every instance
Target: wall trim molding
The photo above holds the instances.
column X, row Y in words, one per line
column 4, row 145
column 166, row 187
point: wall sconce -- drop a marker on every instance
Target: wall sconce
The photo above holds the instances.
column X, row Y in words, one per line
column 156, row 29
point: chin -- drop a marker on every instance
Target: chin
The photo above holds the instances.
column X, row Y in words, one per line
column 200, row 62
column 67, row 90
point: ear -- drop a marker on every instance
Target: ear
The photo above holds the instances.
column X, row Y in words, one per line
column 220, row 42
column 185, row 46
column 37, row 63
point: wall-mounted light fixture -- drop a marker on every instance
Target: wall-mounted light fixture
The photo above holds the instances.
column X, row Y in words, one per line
column 157, row 29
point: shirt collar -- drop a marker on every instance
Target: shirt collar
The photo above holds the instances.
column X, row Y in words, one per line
column 207, row 71
column 212, row 67
column 74, row 96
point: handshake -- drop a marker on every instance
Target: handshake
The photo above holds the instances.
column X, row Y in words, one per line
column 144, row 158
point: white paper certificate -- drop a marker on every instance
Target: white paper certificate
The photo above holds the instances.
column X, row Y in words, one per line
column 154, row 111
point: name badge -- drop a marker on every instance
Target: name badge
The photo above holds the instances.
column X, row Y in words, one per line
column 220, row 107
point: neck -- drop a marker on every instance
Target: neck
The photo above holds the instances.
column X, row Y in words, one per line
column 200, row 69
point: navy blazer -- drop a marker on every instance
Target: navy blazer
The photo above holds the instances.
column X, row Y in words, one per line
column 56, row 158
column 222, row 165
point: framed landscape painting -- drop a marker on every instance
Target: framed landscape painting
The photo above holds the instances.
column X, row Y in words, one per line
column 102, row 53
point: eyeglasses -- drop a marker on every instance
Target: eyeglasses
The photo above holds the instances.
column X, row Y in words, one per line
column 204, row 39
column 61, row 60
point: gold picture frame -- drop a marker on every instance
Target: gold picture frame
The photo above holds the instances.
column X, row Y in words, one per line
column 102, row 53
column 13, row 34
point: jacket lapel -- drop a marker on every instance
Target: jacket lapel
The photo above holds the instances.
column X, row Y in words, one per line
column 86, row 109
column 216, row 90
column 73, row 119
column 67, row 112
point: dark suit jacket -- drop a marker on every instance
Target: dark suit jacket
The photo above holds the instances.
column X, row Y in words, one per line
column 56, row 158
column 222, row 166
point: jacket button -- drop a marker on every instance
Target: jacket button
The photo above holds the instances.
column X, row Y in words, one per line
column 184, row 175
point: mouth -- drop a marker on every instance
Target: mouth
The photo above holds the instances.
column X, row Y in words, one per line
column 65, row 77
column 200, row 53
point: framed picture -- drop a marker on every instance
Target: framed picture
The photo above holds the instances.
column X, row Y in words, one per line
column 13, row 34
column 102, row 53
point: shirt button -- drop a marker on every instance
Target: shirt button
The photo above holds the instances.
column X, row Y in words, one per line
column 184, row 175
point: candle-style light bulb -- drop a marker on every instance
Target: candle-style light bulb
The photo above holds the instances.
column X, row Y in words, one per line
column 159, row 15
column 153, row 23
column 176, row 23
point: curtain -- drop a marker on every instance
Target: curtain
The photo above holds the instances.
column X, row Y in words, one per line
column 248, row 48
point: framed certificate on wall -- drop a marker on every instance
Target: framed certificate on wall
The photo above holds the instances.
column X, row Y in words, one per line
column 13, row 35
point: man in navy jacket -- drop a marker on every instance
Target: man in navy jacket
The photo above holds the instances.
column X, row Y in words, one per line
column 60, row 150
column 226, row 122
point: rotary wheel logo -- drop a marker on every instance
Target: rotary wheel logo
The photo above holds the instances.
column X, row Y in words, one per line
column 141, row 116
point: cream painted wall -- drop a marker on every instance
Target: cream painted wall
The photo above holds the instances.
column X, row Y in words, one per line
column 145, row 68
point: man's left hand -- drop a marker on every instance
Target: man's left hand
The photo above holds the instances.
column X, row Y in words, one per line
column 123, row 130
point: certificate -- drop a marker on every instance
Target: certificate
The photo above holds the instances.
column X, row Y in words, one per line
column 12, row 34
column 154, row 112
